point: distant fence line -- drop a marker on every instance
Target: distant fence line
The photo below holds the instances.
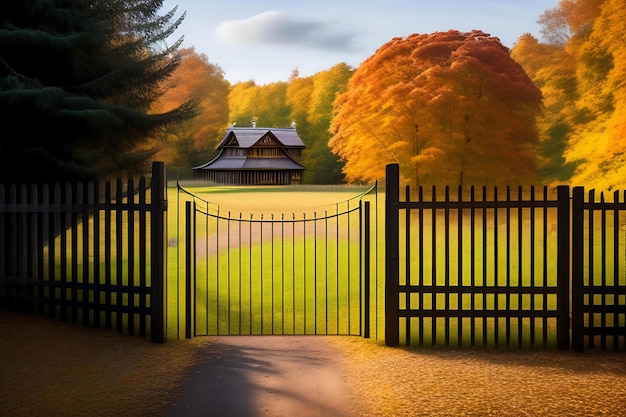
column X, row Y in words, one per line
column 87, row 252
column 478, row 270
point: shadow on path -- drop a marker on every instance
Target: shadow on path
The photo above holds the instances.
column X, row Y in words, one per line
column 248, row 376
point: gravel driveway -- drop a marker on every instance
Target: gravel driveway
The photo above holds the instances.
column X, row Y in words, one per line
column 49, row 368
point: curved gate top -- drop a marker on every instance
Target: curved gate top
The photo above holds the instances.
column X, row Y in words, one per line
column 277, row 274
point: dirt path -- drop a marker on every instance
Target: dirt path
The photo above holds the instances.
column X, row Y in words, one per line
column 247, row 376
column 49, row 368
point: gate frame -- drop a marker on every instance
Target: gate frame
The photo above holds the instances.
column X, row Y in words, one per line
column 364, row 264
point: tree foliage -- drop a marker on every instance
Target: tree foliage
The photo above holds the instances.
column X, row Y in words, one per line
column 554, row 72
column 312, row 107
column 77, row 80
column 192, row 142
column 570, row 18
column 582, row 80
column 450, row 108
column 266, row 105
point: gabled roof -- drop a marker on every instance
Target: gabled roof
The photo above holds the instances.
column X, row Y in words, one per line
column 247, row 137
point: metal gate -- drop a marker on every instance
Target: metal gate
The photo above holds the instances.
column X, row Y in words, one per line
column 277, row 274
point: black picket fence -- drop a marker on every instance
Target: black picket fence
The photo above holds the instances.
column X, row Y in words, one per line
column 87, row 252
column 502, row 267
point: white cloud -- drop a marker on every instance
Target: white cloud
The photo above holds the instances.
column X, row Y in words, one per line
column 282, row 28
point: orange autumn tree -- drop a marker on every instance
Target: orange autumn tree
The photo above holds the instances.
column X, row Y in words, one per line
column 193, row 142
column 450, row 108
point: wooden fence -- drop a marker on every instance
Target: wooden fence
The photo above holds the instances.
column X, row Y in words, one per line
column 504, row 267
column 598, row 270
column 91, row 253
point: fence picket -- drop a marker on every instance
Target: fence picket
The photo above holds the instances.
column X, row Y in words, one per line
column 108, row 260
column 87, row 283
column 143, row 265
column 74, row 278
column 93, row 200
column 130, row 271
column 51, row 216
column 21, row 238
column 12, row 243
column 578, row 261
column 42, row 230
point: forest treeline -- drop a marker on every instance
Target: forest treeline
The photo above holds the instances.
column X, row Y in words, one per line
column 451, row 108
column 307, row 101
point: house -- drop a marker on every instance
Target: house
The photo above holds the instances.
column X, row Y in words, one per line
column 256, row 156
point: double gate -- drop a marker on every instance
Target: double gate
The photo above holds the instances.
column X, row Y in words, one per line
column 262, row 274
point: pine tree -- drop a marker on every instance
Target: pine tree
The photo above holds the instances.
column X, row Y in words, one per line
column 77, row 79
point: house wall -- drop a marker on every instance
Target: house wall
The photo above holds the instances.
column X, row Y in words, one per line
column 250, row 177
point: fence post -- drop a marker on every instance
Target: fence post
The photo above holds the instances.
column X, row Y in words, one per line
column 366, row 270
column 578, row 237
column 563, row 267
column 392, row 273
column 190, row 270
column 158, row 254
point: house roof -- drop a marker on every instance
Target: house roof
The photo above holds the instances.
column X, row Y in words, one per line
column 248, row 136
column 243, row 162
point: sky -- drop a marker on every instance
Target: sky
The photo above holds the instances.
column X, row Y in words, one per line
column 266, row 40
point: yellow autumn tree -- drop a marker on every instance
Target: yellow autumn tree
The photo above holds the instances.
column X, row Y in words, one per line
column 306, row 101
column 580, row 70
column 323, row 166
column 450, row 108
column 599, row 144
column 265, row 104
column 553, row 70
